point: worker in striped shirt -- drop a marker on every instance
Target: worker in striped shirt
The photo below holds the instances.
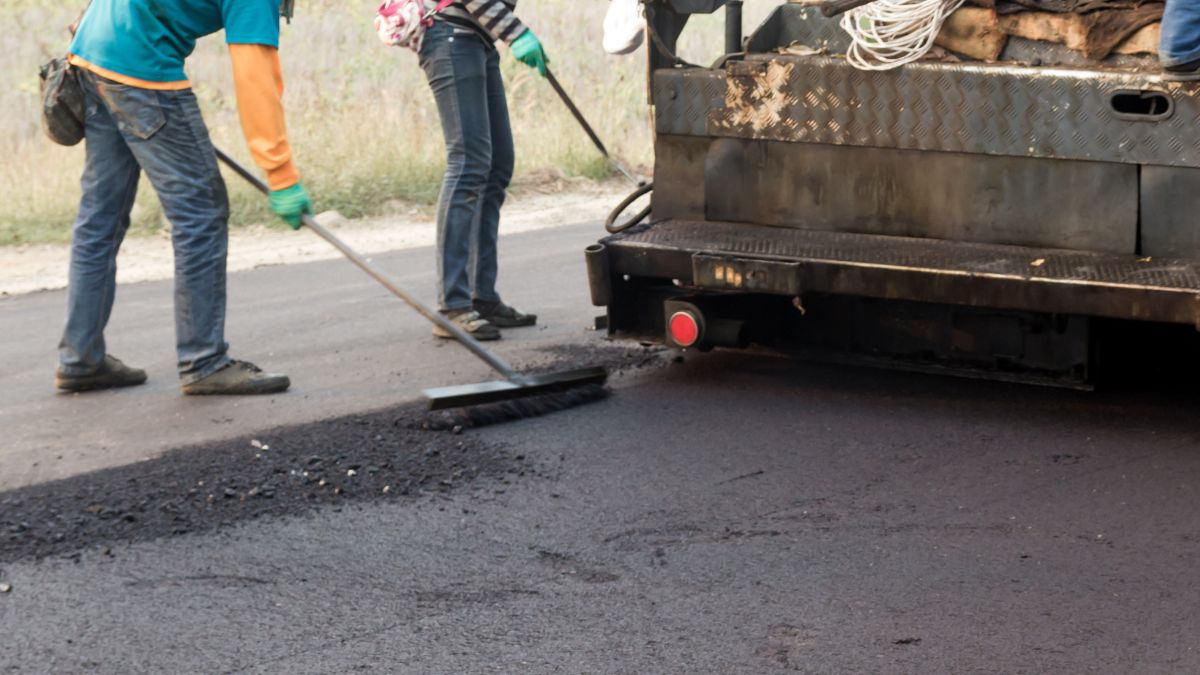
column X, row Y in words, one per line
column 461, row 62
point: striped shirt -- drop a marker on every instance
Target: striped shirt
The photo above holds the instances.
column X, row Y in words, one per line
column 493, row 19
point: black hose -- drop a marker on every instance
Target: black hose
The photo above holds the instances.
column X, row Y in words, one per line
column 611, row 224
column 659, row 43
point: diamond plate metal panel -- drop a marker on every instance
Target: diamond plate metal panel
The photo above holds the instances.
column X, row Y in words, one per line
column 683, row 99
column 974, row 108
column 927, row 270
column 989, row 260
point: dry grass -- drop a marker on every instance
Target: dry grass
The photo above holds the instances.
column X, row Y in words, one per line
column 361, row 117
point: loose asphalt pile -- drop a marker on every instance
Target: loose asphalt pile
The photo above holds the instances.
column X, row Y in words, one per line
column 391, row 454
column 287, row 471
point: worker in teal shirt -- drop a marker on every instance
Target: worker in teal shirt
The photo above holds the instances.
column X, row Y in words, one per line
column 142, row 116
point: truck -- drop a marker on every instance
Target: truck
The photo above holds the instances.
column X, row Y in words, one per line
column 1014, row 220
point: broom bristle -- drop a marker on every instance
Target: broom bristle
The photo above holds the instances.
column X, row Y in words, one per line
column 516, row 409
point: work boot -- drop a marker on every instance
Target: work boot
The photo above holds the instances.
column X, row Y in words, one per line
column 238, row 378
column 505, row 316
column 112, row 373
column 1183, row 72
column 470, row 321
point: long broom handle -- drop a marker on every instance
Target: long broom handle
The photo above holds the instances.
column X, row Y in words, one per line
column 497, row 364
column 588, row 128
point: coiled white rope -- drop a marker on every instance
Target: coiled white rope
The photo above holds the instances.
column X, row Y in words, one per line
column 890, row 33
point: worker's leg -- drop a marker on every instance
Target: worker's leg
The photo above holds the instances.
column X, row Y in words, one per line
column 109, row 183
column 484, row 264
column 1179, row 44
column 455, row 65
column 167, row 136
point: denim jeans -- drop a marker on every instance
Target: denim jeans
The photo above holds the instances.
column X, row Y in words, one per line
column 1180, row 39
column 129, row 130
column 464, row 72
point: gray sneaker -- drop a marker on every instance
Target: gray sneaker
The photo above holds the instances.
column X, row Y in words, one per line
column 112, row 373
column 1183, row 72
column 470, row 321
column 238, row 378
column 505, row 316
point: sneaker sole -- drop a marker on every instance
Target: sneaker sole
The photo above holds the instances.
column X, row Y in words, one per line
column 244, row 390
column 482, row 337
column 513, row 323
column 77, row 386
column 1189, row 76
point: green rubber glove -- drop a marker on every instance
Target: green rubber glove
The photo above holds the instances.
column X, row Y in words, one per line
column 290, row 203
column 528, row 50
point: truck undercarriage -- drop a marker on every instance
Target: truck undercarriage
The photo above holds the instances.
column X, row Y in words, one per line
column 996, row 219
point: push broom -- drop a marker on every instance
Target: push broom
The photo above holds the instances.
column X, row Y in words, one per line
column 516, row 396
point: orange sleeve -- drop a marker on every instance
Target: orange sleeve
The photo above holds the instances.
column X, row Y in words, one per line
column 258, row 80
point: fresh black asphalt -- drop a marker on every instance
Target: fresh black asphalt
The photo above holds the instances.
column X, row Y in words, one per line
column 725, row 513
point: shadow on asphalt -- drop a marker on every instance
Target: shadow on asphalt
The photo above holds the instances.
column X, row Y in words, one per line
column 1158, row 399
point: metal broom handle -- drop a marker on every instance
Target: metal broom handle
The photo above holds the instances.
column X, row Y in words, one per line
column 587, row 128
column 497, row 364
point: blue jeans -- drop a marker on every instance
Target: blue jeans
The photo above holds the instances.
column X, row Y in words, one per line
column 1180, row 39
column 129, row 130
column 464, row 72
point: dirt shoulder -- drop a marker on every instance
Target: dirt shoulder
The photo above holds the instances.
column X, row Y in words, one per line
column 30, row 268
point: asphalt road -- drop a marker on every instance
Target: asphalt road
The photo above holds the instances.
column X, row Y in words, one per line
column 727, row 513
column 346, row 342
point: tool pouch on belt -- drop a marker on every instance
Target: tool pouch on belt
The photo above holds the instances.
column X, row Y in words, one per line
column 62, row 96
column 62, row 102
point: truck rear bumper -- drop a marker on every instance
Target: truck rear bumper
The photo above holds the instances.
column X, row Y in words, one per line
column 737, row 257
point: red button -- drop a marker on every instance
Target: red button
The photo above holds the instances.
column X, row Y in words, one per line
column 684, row 329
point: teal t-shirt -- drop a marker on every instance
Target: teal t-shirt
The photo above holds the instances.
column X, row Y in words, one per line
column 149, row 39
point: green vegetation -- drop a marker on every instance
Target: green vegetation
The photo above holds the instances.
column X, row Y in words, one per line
column 361, row 117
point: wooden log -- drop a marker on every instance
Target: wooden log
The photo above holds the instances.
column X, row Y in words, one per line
column 973, row 32
column 1064, row 29
column 1145, row 41
column 1073, row 30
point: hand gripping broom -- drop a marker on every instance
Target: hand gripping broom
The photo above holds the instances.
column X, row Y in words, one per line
column 497, row 401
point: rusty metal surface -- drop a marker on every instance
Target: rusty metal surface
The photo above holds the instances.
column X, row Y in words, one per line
column 760, row 276
column 1024, row 201
column 1170, row 211
column 1056, row 113
column 679, row 166
column 985, row 275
